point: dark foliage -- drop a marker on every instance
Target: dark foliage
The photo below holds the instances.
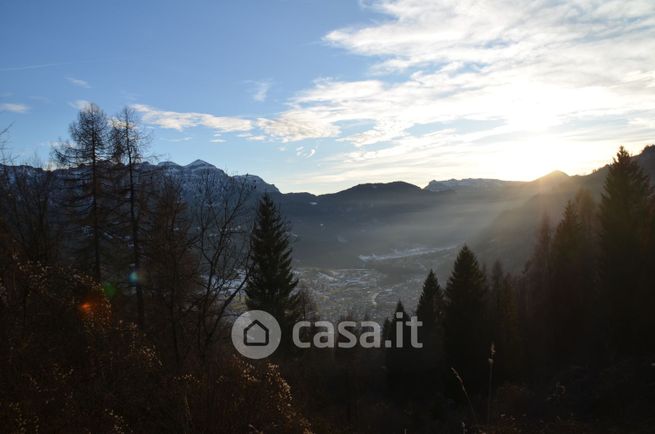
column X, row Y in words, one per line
column 566, row 346
column 271, row 284
column 466, row 322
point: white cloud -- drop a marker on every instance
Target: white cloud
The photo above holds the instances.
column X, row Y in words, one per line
column 506, row 70
column 183, row 120
column 13, row 107
column 80, row 104
column 302, row 152
column 260, row 89
column 420, row 32
column 181, row 139
column 299, row 124
column 79, row 83
column 457, row 83
column 643, row 122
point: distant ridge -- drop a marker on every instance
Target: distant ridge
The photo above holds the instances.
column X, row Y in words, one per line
column 456, row 184
column 381, row 188
column 200, row 164
column 497, row 218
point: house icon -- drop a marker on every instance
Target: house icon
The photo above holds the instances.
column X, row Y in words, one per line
column 256, row 335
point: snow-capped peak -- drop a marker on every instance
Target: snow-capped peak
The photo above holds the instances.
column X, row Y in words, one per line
column 453, row 184
column 200, row 164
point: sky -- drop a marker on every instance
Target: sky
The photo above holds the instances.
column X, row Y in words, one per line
column 321, row 95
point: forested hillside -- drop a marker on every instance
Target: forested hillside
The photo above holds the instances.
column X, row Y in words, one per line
column 120, row 280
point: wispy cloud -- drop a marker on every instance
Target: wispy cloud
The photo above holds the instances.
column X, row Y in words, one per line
column 460, row 88
column 13, row 107
column 530, row 67
column 79, row 83
column 303, row 152
column 80, row 104
column 28, row 67
column 181, row 139
column 482, row 75
column 487, row 32
column 467, row 83
column 182, row 120
column 299, row 124
column 259, row 89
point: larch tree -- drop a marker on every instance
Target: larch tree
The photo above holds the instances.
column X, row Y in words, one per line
column 128, row 144
column 86, row 181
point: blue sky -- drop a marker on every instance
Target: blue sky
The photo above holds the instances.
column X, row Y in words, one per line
column 321, row 95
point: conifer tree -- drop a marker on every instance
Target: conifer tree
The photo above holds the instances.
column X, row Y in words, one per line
column 505, row 327
column 87, row 180
column 271, row 284
column 623, row 252
column 649, row 302
column 565, row 295
column 571, row 299
column 399, row 358
column 534, row 295
column 587, row 210
column 127, row 146
column 430, row 303
column 538, row 268
column 430, row 313
column 466, row 325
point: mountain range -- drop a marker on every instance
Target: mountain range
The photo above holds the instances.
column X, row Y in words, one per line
column 497, row 218
column 373, row 243
column 379, row 221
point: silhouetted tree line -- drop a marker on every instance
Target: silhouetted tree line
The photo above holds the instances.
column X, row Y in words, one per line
column 117, row 288
column 566, row 345
column 583, row 305
column 117, row 291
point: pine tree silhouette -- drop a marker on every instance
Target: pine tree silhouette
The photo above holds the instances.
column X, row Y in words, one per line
column 466, row 325
column 506, row 326
column 624, row 212
column 399, row 358
column 430, row 313
column 430, row 303
column 271, row 284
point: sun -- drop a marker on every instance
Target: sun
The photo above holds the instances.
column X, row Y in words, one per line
column 527, row 160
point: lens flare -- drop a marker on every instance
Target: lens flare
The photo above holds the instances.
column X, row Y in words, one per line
column 109, row 289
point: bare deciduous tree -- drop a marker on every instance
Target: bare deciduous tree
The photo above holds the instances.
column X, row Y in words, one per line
column 171, row 266
column 26, row 208
column 28, row 211
column 223, row 220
